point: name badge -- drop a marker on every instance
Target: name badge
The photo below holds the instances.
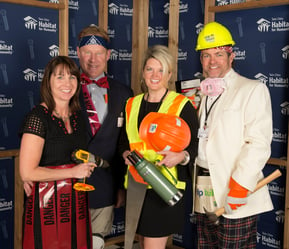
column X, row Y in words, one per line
column 120, row 120
column 203, row 133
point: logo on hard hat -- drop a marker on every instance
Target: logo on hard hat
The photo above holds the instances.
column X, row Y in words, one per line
column 153, row 128
column 210, row 38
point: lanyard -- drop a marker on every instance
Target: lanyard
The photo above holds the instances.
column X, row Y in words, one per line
column 159, row 104
column 207, row 112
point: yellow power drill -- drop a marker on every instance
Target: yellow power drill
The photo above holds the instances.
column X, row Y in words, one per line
column 83, row 156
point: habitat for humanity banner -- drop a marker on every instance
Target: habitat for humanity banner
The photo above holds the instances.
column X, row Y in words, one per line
column 262, row 47
column 30, row 39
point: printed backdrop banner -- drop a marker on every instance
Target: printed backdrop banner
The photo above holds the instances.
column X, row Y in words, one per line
column 6, row 203
column 262, row 44
column 29, row 40
column 271, row 224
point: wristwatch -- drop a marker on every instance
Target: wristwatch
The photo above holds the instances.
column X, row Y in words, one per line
column 186, row 158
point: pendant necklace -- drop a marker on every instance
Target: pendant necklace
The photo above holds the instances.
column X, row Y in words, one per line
column 64, row 119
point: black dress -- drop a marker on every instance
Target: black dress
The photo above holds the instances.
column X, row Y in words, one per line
column 157, row 218
column 55, row 215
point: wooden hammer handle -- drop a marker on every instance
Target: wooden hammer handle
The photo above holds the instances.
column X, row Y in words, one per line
column 259, row 185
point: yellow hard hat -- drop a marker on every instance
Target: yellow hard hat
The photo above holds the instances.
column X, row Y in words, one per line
column 214, row 35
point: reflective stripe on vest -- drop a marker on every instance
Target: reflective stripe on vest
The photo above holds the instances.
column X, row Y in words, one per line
column 172, row 104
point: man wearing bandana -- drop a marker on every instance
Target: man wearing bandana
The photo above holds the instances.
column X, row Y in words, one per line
column 234, row 145
column 103, row 100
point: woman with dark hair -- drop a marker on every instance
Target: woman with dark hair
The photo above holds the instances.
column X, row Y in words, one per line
column 55, row 215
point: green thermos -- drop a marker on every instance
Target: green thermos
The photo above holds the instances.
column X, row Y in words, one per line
column 159, row 183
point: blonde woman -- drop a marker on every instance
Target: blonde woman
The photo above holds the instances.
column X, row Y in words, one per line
column 157, row 220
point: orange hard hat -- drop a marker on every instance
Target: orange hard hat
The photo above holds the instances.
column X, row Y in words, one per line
column 165, row 132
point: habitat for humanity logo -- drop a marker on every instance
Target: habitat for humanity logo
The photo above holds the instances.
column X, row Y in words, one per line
column 111, row 33
column 280, row 216
column 178, row 237
column 239, row 54
column 182, row 55
column 5, row 205
column 273, row 80
column 275, row 188
column 277, row 24
column 285, row 108
column 5, row 102
column 121, row 55
column 121, row 10
column 117, row 228
column 41, row 24
column 72, row 53
column 53, row 50
column 268, row 239
column 5, row 48
column 32, row 75
column 199, row 28
column 279, row 137
column 226, row 2
column 285, row 52
column 157, row 32
column 183, row 7
column 73, row 5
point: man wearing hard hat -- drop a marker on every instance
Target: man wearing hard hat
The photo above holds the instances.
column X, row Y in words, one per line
column 234, row 145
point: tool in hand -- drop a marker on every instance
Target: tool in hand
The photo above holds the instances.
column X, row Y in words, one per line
column 82, row 156
column 214, row 216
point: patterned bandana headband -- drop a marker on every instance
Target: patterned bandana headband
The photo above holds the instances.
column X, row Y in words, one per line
column 228, row 49
column 93, row 40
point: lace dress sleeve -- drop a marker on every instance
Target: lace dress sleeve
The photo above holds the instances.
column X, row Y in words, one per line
column 34, row 125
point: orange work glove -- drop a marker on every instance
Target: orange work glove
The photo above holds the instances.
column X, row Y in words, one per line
column 236, row 197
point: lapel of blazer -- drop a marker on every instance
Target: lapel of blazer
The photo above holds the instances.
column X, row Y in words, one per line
column 110, row 94
column 84, row 112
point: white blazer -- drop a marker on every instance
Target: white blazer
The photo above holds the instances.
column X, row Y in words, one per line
column 239, row 141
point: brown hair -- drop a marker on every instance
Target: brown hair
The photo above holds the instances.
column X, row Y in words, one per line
column 45, row 88
column 92, row 29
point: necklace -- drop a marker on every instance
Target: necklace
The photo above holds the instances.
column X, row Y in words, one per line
column 63, row 118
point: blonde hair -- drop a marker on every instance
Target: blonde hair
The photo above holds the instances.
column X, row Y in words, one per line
column 162, row 54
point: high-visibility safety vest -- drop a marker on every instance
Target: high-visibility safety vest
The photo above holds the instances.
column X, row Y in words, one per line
column 172, row 104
